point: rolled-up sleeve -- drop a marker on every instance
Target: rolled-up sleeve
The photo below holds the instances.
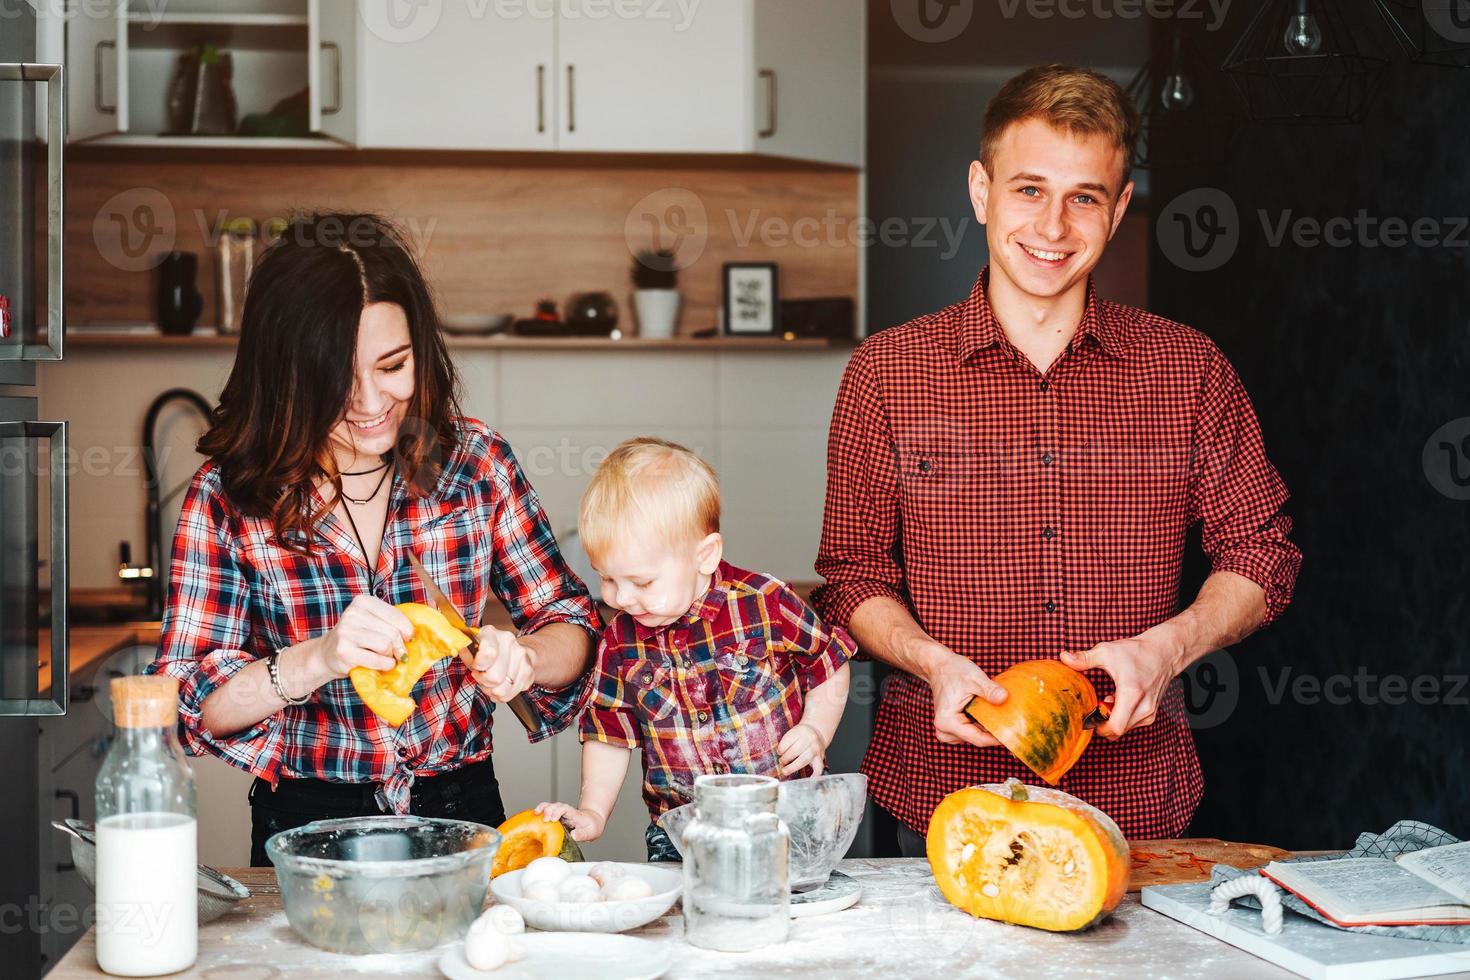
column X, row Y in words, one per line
column 609, row 716
column 860, row 519
column 534, row 582
column 817, row 650
column 1236, row 493
column 206, row 629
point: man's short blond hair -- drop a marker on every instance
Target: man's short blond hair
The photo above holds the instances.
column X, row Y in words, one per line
column 649, row 486
column 1081, row 102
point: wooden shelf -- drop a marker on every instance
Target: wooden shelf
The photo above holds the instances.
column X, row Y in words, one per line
column 97, row 340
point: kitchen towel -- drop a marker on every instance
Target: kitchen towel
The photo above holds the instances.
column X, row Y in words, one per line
column 1404, row 837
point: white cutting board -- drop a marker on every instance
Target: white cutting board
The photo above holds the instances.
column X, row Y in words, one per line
column 1305, row 946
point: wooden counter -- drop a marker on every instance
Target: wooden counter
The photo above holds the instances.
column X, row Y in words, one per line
column 901, row 927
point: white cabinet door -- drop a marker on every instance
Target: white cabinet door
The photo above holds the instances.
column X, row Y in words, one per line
column 332, row 72
column 655, row 76
column 458, row 75
column 96, row 71
column 810, row 88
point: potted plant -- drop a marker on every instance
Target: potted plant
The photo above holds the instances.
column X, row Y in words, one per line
column 656, row 294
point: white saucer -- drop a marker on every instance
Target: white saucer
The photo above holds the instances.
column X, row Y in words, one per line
column 555, row 955
column 840, row 892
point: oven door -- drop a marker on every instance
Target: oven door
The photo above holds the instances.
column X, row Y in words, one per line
column 33, row 562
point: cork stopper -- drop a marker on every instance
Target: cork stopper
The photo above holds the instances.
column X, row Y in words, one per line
column 150, row 701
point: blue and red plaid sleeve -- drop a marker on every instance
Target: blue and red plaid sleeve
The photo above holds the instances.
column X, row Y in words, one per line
column 205, row 631
column 816, row 651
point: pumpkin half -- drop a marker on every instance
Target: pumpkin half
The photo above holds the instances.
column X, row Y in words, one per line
column 386, row 692
column 1027, row 855
column 1042, row 720
column 528, row 836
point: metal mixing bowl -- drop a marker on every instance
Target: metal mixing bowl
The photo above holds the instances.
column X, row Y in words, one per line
column 822, row 813
column 384, row 884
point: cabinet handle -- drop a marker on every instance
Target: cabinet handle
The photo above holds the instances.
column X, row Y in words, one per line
column 336, row 50
column 540, row 98
column 770, row 77
column 110, row 110
column 571, row 98
column 76, row 814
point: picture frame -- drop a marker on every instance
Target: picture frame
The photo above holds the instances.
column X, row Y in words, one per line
column 752, row 299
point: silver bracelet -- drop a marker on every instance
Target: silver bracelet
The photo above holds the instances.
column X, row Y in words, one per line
column 275, row 672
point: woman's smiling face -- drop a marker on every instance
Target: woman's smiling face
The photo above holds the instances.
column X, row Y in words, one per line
column 382, row 386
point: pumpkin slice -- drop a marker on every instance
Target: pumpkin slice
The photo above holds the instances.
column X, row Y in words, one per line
column 386, row 692
column 528, row 836
column 1042, row 720
column 1027, row 855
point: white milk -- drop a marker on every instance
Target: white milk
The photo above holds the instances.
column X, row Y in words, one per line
column 147, row 894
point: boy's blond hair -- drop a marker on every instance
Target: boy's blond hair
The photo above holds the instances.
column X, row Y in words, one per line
column 649, row 486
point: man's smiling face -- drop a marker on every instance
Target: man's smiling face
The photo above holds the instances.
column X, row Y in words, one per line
column 1049, row 204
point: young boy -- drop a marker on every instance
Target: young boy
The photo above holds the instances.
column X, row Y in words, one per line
column 709, row 668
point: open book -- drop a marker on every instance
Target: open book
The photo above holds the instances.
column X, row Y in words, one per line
column 1428, row 887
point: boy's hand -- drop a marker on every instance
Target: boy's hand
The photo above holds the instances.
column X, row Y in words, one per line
column 585, row 825
column 800, row 747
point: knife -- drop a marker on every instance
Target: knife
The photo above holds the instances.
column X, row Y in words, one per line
column 520, row 705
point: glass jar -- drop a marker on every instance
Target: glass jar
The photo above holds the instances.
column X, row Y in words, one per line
column 737, row 893
column 147, row 843
column 235, row 260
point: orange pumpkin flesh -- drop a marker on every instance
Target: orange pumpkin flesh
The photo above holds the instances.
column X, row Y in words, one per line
column 1042, row 859
column 528, row 836
column 386, row 692
column 1041, row 721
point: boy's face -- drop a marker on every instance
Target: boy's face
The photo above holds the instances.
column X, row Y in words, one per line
column 655, row 582
column 1051, row 205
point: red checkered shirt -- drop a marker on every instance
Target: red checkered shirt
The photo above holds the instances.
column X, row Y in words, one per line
column 714, row 691
column 235, row 594
column 1019, row 514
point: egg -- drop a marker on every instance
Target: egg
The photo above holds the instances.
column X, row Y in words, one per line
column 604, row 873
column 541, row 891
column 552, row 869
column 579, row 889
column 627, row 889
column 505, row 918
column 487, row 948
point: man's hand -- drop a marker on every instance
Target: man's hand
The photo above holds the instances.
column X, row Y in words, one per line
column 585, row 825
column 1141, row 668
column 802, row 746
column 503, row 667
column 954, row 680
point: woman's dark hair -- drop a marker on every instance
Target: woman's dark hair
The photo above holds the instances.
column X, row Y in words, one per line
column 293, row 372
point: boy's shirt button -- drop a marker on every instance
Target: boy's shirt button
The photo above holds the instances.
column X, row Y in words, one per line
column 704, row 716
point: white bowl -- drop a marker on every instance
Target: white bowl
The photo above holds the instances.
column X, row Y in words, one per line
column 593, row 916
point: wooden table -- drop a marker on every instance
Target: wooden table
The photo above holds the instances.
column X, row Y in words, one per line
column 901, row 927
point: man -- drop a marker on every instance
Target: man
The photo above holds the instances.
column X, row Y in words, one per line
column 1012, row 478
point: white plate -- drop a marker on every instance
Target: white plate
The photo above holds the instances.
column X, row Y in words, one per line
column 558, row 955
column 593, row 916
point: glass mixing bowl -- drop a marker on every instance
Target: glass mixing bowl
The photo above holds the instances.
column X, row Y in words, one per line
column 385, row 884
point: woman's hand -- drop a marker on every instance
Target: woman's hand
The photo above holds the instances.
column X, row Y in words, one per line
column 802, row 746
column 503, row 667
column 370, row 634
column 585, row 825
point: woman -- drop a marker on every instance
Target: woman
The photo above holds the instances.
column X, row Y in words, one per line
column 336, row 450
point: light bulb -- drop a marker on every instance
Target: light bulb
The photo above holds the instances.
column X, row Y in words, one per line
column 1176, row 94
column 1303, row 35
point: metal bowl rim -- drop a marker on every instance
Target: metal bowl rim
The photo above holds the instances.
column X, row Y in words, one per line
column 405, row 867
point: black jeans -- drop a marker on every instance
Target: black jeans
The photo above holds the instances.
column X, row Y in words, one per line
column 910, row 844
column 470, row 793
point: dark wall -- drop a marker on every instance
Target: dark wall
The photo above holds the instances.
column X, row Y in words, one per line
column 1355, row 354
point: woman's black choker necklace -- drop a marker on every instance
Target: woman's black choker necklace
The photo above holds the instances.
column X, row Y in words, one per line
column 381, row 480
column 364, row 472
